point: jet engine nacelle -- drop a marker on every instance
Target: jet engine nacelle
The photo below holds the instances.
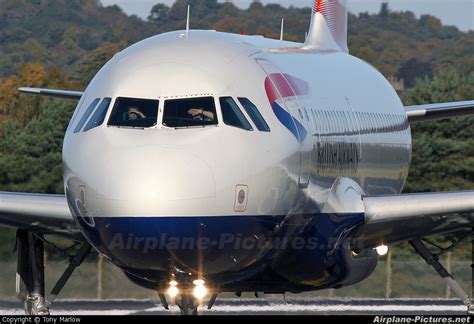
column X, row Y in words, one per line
column 328, row 258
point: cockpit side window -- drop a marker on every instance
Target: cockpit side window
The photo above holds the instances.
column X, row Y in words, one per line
column 86, row 115
column 189, row 112
column 255, row 115
column 133, row 112
column 99, row 115
column 232, row 115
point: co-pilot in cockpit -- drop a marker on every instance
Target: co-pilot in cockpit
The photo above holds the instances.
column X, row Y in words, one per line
column 189, row 112
column 201, row 114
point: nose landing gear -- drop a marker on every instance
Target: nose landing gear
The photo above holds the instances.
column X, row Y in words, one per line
column 188, row 305
column 188, row 297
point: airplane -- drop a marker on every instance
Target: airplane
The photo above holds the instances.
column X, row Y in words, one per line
column 202, row 162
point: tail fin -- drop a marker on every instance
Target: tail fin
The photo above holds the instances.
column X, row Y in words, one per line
column 328, row 30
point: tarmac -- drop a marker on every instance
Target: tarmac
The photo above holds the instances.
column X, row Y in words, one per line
column 249, row 306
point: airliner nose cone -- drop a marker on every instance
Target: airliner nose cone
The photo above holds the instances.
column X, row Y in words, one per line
column 155, row 181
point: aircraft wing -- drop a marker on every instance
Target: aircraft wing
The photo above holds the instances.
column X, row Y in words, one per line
column 440, row 110
column 395, row 218
column 38, row 212
column 63, row 94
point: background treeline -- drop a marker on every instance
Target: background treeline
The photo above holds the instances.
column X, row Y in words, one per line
column 63, row 43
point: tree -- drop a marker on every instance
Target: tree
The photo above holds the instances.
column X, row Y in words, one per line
column 30, row 160
column 158, row 13
column 384, row 10
column 413, row 69
column 443, row 151
column 92, row 63
column 8, row 95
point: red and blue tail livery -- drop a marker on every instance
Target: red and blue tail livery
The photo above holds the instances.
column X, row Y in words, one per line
column 281, row 89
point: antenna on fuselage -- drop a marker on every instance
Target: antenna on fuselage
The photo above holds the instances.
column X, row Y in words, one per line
column 282, row 27
column 187, row 24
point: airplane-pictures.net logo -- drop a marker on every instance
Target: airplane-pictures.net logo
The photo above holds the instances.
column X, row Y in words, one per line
column 225, row 241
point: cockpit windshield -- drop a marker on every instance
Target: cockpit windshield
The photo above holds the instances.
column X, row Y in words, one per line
column 131, row 112
column 189, row 112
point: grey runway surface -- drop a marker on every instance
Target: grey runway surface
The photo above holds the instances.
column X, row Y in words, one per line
column 245, row 306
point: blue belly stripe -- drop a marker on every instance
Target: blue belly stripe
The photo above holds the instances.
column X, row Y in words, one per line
column 226, row 248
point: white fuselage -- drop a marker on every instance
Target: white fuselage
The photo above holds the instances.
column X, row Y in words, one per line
column 330, row 115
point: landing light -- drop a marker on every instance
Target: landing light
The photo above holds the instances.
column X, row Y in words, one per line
column 200, row 291
column 198, row 282
column 381, row 250
column 173, row 290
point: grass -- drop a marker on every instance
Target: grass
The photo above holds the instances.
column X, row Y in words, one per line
column 410, row 279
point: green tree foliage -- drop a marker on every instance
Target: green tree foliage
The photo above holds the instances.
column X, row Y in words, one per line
column 63, row 32
column 443, row 151
column 384, row 10
column 30, row 157
column 413, row 69
column 60, row 32
column 21, row 108
column 30, row 160
column 93, row 62
column 158, row 13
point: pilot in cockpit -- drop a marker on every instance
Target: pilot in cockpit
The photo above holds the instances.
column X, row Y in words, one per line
column 201, row 114
column 135, row 113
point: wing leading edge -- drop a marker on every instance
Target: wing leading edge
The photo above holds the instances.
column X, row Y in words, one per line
column 62, row 94
column 395, row 218
column 440, row 110
column 38, row 212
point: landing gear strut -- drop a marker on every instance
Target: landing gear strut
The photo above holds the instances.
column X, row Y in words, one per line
column 30, row 273
column 188, row 305
column 433, row 261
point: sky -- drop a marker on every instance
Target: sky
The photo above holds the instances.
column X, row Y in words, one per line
column 451, row 12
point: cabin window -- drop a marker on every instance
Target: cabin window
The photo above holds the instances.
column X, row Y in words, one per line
column 346, row 122
column 306, row 113
column 134, row 113
column 327, row 120
column 255, row 115
column 86, row 115
column 383, row 118
column 190, row 112
column 400, row 124
column 383, row 122
column 367, row 122
column 360, row 121
column 315, row 122
column 232, row 115
column 373, row 124
column 342, row 125
column 391, row 123
column 319, row 121
column 99, row 115
column 350, row 122
column 334, row 125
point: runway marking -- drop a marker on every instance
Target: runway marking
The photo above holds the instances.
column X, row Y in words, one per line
column 295, row 308
column 246, row 306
